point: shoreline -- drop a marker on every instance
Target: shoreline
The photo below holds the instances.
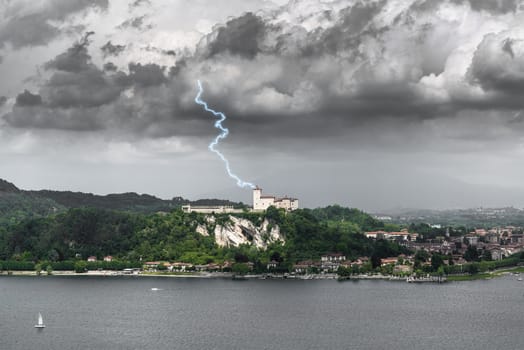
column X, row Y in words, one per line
column 228, row 275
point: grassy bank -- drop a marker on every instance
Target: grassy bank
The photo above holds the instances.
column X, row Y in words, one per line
column 485, row 275
column 477, row 276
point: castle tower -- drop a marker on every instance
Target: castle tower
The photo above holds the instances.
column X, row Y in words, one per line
column 257, row 193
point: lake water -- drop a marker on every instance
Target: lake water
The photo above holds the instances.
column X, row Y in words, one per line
column 124, row 313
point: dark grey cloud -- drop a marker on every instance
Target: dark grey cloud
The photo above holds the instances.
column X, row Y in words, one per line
column 136, row 23
column 354, row 24
column 75, row 59
column 240, row 36
column 138, row 3
column 3, row 100
column 27, row 31
column 42, row 117
column 110, row 67
column 147, row 75
column 498, row 65
column 26, row 98
column 77, row 82
column 396, row 95
column 35, row 26
column 110, row 49
column 494, row 6
column 506, row 47
column 80, row 96
column 347, row 76
column 251, row 34
column 90, row 88
column 167, row 52
column 490, row 6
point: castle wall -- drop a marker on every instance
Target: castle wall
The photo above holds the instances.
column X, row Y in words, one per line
column 263, row 202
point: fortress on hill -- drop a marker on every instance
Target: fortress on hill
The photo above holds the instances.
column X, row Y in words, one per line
column 260, row 203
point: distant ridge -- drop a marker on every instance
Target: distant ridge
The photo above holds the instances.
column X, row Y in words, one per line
column 122, row 201
column 49, row 201
column 7, row 187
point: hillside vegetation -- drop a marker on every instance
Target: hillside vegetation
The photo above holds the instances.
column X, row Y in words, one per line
column 63, row 226
column 17, row 204
column 128, row 236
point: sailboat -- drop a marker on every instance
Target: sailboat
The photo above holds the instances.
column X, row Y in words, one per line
column 40, row 323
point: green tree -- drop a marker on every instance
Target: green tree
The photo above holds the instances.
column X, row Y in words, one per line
column 472, row 268
column 80, row 266
column 436, row 261
column 471, row 254
column 421, row 256
column 375, row 260
column 240, row 268
column 486, row 255
column 49, row 270
column 38, row 269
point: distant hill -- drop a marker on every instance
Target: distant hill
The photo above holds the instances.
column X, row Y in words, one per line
column 7, row 187
column 130, row 201
column 470, row 217
column 17, row 204
column 122, row 201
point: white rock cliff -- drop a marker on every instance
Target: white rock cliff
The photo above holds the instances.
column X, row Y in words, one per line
column 239, row 231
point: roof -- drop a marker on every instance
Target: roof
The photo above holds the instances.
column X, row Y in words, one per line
column 334, row 254
column 286, row 199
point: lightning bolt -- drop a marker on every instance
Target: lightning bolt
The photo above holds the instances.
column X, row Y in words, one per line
column 223, row 134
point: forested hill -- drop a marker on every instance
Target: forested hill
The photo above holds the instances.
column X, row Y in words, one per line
column 122, row 201
column 16, row 205
column 60, row 226
column 44, row 202
column 7, row 187
column 175, row 236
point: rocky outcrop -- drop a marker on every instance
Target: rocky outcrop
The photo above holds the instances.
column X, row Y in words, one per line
column 237, row 231
column 201, row 229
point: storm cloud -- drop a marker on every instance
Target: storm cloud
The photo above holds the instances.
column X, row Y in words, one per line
column 343, row 69
column 26, row 98
column 80, row 96
column 334, row 80
column 136, row 23
column 29, row 23
column 110, row 49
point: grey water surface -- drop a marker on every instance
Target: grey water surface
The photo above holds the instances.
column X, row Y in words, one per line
column 190, row 313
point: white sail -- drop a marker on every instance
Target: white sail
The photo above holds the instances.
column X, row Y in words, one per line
column 40, row 323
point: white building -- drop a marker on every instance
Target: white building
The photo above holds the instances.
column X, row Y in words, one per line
column 261, row 202
column 210, row 209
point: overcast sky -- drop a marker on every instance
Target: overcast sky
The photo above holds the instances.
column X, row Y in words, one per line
column 370, row 104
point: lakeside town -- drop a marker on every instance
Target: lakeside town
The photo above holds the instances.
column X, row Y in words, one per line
column 274, row 239
column 430, row 260
column 492, row 245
